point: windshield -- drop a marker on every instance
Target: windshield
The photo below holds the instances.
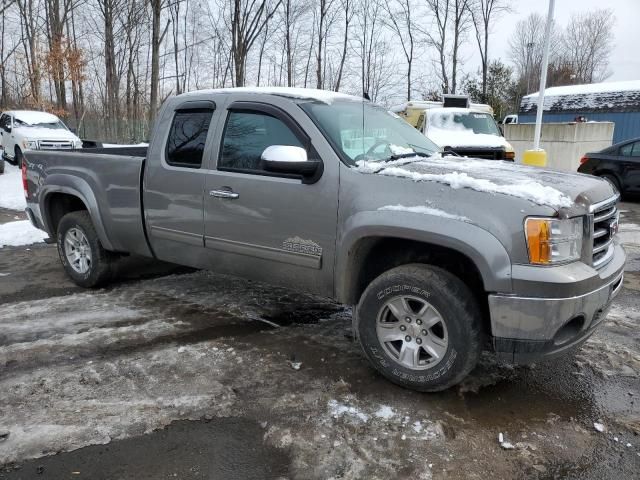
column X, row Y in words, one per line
column 364, row 131
column 472, row 122
column 52, row 125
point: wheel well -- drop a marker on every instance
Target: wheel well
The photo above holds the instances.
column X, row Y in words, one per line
column 371, row 257
column 58, row 205
column 611, row 173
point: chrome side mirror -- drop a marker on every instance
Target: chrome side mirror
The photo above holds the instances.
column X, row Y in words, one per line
column 288, row 159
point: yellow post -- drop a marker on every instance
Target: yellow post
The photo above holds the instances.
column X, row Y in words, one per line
column 536, row 158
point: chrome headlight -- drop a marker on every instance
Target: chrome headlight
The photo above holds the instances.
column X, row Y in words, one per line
column 551, row 241
column 30, row 144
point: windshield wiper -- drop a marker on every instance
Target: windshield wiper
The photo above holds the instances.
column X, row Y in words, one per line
column 406, row 155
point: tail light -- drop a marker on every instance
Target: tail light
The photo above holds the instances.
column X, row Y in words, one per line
column 24, row 178
column 584, row 160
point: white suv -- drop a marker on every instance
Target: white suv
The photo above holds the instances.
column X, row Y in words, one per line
column 22, row 130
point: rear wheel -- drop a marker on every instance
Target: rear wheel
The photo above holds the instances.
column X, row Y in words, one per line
column 1, row 165
column 84, row 259
column 613, row 181
column 420, row 327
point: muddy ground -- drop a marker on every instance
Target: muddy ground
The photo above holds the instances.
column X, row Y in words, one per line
column 171, row 373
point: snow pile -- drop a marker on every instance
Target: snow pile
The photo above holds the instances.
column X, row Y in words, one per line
column 400, row 150
column 20, row 233
column 337, row 409
column 11, row 191
column 529, row 190
column 131, row 145
column 385, row 412
column 529, row 183
column 324, row 96
column 425, row 211
column 587, row 88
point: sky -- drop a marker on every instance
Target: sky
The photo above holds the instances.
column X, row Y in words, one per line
column 625, row 58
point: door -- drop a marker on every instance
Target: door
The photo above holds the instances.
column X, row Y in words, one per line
column 629, row 157
column 265, row 226
column 174, row 183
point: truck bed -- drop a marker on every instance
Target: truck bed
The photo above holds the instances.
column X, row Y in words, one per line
column 108, row 180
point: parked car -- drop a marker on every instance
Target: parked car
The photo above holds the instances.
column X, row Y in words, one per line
column 465, row 131
column 332, row 195
column 619, row 164
column 458, row 126
column 22, row 130
column 513, row 118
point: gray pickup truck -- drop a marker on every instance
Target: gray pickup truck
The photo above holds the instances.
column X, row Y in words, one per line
column 330, row 194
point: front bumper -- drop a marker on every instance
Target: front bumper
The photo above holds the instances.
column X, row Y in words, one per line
column 526, row 328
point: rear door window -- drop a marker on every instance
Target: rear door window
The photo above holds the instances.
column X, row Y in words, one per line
column 187, row 137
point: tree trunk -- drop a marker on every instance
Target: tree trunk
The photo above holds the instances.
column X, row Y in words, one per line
column 156, row 9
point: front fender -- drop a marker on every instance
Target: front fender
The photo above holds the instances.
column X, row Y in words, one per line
column 73, row 185
column 480, row 246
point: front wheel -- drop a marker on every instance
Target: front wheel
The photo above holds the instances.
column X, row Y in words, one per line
column 420, row 327
column 84, row 259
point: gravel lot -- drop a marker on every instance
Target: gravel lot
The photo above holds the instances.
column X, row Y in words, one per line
column 173, row 373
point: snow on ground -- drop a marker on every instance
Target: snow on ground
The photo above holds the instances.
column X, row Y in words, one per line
column 20, row 233
column 11, row 191
column 629, row 233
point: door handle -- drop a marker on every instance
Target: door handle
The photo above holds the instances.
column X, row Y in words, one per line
column 224, row 192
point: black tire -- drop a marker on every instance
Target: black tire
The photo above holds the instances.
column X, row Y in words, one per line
column 613, row 181
column 17, row 159
column 457, row 308
column 100, row 269
column 1, row 165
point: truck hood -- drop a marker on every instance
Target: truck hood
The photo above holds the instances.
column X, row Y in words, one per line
column 38, row 133
column 569, row 193
column 464, row 138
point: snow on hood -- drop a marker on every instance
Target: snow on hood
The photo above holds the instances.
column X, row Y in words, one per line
column 464, row 138
column 33, row 117
column 551, row 188
column 41, row 133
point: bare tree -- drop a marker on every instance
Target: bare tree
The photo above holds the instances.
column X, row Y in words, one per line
column 326, row 17
column 400, row 20
column 156, row 39
column 29, row 27
column 483, row 13
column 587, row 43
column 293, row 14
column 525, row 49
column 248, row 20
column 461, row 20
column 437, row 37
column 348, row 13
column 56, row 13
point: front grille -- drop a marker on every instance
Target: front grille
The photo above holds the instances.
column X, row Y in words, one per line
column 55, row 145
column 605, row 219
